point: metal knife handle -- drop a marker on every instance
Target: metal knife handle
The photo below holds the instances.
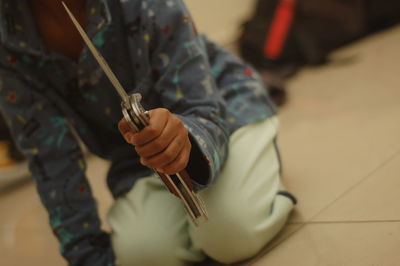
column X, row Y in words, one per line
column 178, row 184
column 138, row 119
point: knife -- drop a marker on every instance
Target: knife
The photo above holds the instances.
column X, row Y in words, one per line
column 178, row 184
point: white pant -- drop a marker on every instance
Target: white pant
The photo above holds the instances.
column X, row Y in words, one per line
column 150, row 226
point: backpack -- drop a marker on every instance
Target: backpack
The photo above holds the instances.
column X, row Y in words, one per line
column 305, row 31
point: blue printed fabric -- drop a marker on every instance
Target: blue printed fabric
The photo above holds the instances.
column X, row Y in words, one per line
column 50, row 101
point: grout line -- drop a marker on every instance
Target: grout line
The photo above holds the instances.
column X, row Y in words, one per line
column 369, row 175
column 310, row 221
column 350, row 222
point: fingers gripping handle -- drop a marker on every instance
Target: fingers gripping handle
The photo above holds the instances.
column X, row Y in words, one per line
column 138, row 118
column 178, row 184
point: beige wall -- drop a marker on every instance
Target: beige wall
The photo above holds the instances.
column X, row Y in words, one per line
column 220, row 19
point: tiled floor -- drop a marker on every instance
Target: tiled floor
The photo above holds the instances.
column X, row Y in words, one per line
column 341, row 150
column 221, row 20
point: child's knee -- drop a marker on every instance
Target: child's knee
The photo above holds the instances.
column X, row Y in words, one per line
column 230, row 246
column 238, row 232
column 229, row 236
column 146, row 250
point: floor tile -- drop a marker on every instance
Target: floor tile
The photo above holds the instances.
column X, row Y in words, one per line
column 375, row 199
column 356, row 244
column 25, row 234
column 96, row 173
column 341, row 122
column 12, row 172
column 212, row 19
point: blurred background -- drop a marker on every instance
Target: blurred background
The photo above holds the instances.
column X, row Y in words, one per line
column 333, row 69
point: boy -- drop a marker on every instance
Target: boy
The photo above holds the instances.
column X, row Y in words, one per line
column 208, row 114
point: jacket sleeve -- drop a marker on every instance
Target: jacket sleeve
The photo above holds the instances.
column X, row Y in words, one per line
column 186, row 85
column 57, row 167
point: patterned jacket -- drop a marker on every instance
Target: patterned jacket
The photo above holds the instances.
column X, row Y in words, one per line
column 49, row 100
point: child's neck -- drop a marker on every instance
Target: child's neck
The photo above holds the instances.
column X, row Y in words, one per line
column 55, row 26
column 54, row 8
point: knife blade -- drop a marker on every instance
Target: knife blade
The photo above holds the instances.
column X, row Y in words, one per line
column 178, row 184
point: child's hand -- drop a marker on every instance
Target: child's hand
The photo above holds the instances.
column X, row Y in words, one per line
column 163, row 145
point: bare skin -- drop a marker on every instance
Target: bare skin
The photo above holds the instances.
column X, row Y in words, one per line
column 163, row 145
column 55, row 27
